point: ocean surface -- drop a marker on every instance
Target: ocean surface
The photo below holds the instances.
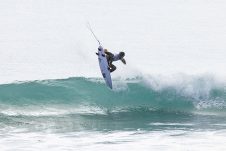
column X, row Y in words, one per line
column 82, row 113
column 171, row 95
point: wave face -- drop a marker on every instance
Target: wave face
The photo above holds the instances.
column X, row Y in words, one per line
column 200, row 94
column 77, row 104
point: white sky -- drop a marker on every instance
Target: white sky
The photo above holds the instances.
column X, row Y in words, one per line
column 48, row 39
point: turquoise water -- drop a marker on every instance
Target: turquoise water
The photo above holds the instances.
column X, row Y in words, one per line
column 76, row 104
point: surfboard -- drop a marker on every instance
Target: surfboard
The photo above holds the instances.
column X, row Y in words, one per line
column 104, row 66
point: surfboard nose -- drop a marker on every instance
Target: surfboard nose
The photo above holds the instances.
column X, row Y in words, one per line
column 100, row 48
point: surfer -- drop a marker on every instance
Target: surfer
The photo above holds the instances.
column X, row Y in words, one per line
column 114, row 57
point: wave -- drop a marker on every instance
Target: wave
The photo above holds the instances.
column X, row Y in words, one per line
column 90, row 95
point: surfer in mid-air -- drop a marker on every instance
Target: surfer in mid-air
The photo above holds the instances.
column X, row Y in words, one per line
column 114, row 57
column 105, row 59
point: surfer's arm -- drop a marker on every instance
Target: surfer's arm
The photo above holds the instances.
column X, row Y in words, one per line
column 123, row 61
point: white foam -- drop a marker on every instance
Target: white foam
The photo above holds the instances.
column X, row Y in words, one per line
column 52, row 110
column 172, row 124
column 193, row 86
column 118, row 140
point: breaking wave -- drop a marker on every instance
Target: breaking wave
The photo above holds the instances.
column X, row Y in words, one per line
column 90, row 95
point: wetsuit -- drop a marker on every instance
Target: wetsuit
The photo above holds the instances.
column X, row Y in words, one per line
column 110, row 58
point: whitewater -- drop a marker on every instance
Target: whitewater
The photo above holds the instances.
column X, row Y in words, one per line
column 171, row 95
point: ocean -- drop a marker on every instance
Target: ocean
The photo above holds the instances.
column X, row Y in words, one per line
column 171, row 95
column 82, row 113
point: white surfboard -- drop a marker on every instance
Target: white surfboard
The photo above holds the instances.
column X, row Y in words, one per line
column 104, row 66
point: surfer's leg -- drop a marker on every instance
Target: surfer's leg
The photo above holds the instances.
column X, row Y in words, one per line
column 113, row 68
column 108, row 58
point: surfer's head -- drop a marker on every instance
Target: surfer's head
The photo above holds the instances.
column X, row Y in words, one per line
column 121, row 54
column 105, row 50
